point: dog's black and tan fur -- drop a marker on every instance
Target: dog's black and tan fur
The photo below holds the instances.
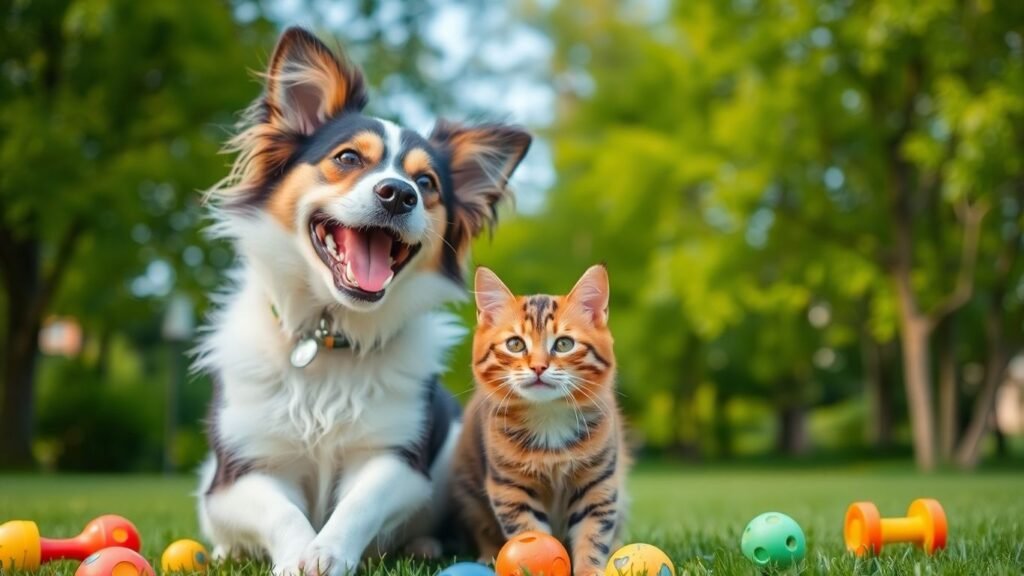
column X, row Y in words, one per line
column 343, row 218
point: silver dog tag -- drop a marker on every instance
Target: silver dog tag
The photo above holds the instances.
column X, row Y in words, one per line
column 304, row 352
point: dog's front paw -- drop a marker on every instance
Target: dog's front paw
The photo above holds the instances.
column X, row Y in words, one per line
column 289, row 562
column 320, row 560
column 290, row 567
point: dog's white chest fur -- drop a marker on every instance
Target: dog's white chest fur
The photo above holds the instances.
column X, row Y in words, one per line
column 304, row 424
column 344, row 401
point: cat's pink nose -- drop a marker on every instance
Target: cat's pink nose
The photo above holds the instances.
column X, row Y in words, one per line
column 539, row 369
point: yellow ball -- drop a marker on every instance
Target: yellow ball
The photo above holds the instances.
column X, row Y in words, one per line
column 185, row 556
column 640, row 560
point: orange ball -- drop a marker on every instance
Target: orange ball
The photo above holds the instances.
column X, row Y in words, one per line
column 115, row 561
column 533, row 553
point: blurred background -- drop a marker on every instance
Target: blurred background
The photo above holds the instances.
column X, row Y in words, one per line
column 811, row 210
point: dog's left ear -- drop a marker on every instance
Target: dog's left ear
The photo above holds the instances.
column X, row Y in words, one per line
column 482, row 159
column 307, row 84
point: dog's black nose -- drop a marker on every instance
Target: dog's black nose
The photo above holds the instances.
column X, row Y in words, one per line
column 396, row 196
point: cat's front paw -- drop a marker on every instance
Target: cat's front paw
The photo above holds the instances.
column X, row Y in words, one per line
column 425, row 547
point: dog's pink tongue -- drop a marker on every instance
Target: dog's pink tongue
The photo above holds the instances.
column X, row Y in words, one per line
column 370, row 254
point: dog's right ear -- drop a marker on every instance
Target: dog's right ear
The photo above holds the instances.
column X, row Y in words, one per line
column 307, row 84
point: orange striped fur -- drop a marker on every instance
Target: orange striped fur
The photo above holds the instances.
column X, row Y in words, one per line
column 542, row 445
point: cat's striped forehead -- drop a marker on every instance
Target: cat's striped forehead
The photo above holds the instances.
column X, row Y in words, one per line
column 539, row 310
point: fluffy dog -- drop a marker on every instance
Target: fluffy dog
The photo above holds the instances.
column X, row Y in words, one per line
column 330, row 435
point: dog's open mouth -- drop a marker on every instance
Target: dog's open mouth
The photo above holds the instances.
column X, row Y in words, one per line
column 363, row 261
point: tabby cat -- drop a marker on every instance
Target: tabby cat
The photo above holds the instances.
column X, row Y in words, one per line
column 541, row 446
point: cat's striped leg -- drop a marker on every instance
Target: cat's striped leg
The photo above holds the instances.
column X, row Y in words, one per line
column 516, row 503
column 474, row 510
column 594, row 516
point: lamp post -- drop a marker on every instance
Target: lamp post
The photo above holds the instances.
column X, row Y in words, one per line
column 178, row 326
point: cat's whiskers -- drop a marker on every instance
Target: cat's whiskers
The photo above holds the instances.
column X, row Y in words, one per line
column 598, row 384
column 586, row 381
column 504, row 414
column 600, row 404
column 602, row 408
column 495, row 391
column 577, row 411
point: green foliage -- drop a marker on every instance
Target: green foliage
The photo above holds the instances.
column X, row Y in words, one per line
column 113, row 113
column 93, row 426
column 733, row 163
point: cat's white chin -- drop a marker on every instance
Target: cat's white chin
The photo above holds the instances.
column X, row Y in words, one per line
column 539, row 394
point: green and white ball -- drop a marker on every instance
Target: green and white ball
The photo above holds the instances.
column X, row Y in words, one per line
column 773, row 539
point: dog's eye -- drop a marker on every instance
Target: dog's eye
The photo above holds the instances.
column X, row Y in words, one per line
column 426, row 183
column 564, row 344
column 515, row 344
column 349, row 159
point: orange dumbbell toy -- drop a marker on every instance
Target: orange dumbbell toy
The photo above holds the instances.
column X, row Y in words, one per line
column 115, row 561
column 866, row 531
column 534, row 554
column 21, row 546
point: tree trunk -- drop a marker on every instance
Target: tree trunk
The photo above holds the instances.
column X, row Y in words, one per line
column 969, row 452
column 1002, row 448
column 949, row 421
column 791, row 412
column 21, row 282
column 915, row 327
column 723, row 429
column 914, row 333
column 878, row 388
column 684, row 435
column 685, row 432
column 792, row 431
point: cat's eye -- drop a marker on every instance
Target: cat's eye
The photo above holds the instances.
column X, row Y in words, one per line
column 564, row 344
column 515, row 344
column 349, row 159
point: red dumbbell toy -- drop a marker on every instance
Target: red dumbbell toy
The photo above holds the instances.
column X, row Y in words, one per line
column 21, row 546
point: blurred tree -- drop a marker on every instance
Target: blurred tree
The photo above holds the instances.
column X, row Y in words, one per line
column 107, row 115
column 112, row 115
column 751, row 156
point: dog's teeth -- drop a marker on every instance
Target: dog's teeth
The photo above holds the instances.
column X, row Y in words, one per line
column 331, row 245
column 403, row 253
column 349, row 276
column 321, row 231
column 388, row 281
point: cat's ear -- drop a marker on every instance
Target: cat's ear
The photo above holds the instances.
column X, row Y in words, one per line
column 491, row 295
column 591, row 294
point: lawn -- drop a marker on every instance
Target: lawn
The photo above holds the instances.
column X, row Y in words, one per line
column 694, row 515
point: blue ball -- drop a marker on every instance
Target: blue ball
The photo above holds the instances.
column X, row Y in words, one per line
column 467, row 569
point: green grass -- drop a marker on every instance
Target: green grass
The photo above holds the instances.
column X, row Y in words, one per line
column 694, row 515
